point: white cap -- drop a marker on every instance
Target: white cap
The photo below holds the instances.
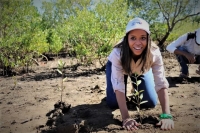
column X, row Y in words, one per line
column 138, row 23
column 198, row 36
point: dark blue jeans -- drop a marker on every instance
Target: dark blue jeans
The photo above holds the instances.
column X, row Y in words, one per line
column 147, row 85
column 183, row 61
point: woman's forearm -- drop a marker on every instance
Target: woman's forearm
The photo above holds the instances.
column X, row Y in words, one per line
column 164, row 100
column 121, row 99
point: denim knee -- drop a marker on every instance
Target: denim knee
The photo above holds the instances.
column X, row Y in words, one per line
column 112, row 103
column 150, row 104
column 148, row 85
column 182, row 48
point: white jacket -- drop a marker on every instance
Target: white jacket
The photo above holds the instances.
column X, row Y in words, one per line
column 190, row 45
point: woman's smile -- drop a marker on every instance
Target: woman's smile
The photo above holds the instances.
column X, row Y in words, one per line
column 137, row 40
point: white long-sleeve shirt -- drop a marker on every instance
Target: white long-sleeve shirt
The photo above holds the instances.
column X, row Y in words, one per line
column 190, row 45
column 117, row 74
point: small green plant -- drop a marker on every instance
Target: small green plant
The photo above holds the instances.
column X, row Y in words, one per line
column 14, row 81
column 60, row 70
column 138, row 96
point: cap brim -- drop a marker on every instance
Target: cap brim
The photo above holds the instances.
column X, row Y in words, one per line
column 138, row 28
column 198, row 36
column 198, row 41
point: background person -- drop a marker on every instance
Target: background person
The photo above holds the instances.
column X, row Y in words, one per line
column 136, row 54
column 187, row 50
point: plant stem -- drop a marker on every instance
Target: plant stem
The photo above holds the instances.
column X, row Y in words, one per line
column 138, row 100
column 61, row 86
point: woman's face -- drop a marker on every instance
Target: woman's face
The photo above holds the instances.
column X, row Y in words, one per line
column 137, row 40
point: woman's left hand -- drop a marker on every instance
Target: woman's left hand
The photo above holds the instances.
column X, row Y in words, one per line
column 166, row 124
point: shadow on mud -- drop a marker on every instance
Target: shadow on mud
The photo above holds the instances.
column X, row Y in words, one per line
column 69, row 71
column 88, row 118
column 177, row 80
column 79, row 119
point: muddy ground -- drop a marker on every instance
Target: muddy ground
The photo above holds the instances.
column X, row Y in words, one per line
column 27, row 101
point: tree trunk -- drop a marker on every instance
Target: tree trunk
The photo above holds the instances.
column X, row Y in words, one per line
column 161, row 42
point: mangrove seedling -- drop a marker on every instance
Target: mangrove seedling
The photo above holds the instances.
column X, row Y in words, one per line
column 60, row 70
column 138, row 95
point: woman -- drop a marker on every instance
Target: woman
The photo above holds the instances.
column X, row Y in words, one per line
column 136, row 54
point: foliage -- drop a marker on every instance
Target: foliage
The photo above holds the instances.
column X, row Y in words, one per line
column 55, row 42
column 19, row 20
column 38, row 42
column 164, row 15
column 138, row 95
column 182, row 28
column 54, row 19
column 14, row 78
column 93, row 37
column 60, row 70
column 87, row 29
column 23, row 35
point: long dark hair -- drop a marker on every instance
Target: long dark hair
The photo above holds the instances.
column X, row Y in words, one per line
column 126, row 55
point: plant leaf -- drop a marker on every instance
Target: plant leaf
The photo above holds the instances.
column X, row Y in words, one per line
column 141, row 96
column 135, row 74
column 136, row 93
column 134, row 83
column 59, row 71
column 64, row 79
column 143, row 102
column 138, row 110
column 133, row 94
column 138, row 82
column 141, row 91
column 59, row 62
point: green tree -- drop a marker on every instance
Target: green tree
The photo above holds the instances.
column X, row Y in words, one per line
column 19, row 23
column 93, row 37
column 54, row 19
column 164, row 15
column 181, row 28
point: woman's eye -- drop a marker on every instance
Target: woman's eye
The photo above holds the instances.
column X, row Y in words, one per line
column 132, row 38
column 144, row 38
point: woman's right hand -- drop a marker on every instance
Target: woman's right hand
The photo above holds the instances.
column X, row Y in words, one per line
column 130, row 124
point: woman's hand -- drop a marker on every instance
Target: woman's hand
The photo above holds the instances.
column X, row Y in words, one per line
column 130, row 124
column 166, row 124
